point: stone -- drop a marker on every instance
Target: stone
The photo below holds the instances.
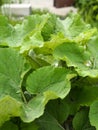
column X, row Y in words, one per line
column 16, row 9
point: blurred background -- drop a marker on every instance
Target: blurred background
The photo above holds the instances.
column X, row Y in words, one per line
column 88, row 9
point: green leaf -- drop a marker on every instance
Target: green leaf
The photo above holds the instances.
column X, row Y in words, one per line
column 29, row 126
column 78, row 57
column 73, row 54
column 31, row 42
column 52, row 79
column 9, row 125
column 5, row 30
column 55, row 41
column 58, row 51
column 81, row 121
column 84, row 91
column 12, row 66
column 36, row 61
column 35, row 107
column 14, row 36
column 54, row 84
column 73, row 25
column 9, row 108
column 59, row 109
column 49, row 27
column 93, row 47
column 93, row 114
column 48, row 122
column 23, row 31
column 85, row 36
column 75, row 29
column 42, row 32
column 71, row 104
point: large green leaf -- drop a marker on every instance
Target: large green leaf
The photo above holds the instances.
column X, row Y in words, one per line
column 50, row 79
column 12, row 65
column 46, row 83
column 78, row 57
column 73, row 25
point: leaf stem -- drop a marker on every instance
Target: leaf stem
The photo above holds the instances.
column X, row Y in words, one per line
column 23, row 96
